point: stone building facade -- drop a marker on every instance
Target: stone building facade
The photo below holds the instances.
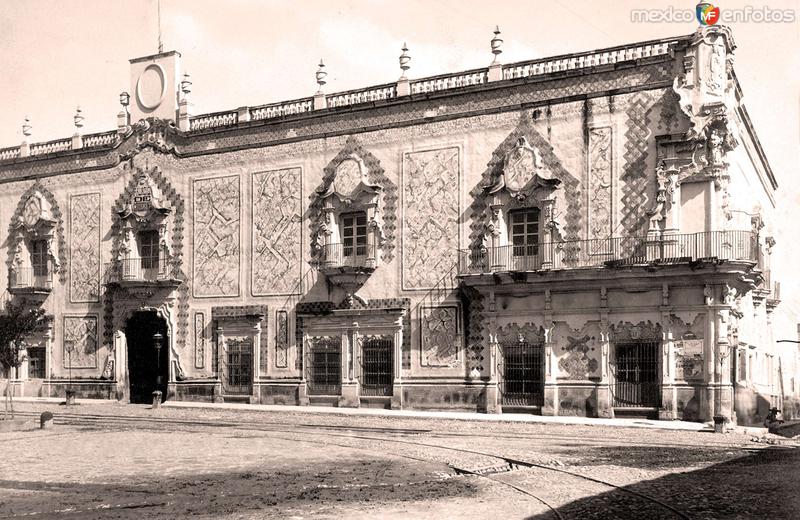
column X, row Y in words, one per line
column 586, row 234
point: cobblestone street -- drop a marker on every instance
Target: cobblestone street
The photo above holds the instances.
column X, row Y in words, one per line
column 127, row 461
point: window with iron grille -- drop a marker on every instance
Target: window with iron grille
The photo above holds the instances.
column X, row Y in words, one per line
column 36, row 363
column 354, row 234
column 524, row 231
column 148, row 249
column 39, row 257
column 325, row 366
column 377, row 366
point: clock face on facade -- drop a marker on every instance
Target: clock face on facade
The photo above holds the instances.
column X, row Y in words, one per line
column 32, row 212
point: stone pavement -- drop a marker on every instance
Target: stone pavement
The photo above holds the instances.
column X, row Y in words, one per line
column 106, row 459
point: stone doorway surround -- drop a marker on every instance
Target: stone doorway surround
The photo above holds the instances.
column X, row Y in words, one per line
column 241, row 324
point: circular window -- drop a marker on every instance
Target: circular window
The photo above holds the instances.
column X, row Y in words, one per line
column 151, row 86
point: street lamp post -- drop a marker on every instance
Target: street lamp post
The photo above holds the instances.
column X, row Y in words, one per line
column 157, row 340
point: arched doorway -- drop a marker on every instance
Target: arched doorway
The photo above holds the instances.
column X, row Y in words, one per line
column 146, row 371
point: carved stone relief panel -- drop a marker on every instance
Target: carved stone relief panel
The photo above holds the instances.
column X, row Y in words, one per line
column 579, row 350
column 80, row 341
column 600, row 183
column 199, row 340
column 282, row 339
column 688, row 344
column 430, row 212
column 277, row 218
column 441, row 339
column 216, row 237
column 84, row 256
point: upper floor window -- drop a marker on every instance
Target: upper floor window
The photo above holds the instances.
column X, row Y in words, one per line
column 148, row 249
column 354, row 234
column 524, row 232
column 39, row 257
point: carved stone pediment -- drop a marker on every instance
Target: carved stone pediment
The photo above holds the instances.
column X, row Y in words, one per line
column 146, row 203
column 627, row 332
column 159, row 134
column 524, row 174
column 350, row 181
column 514, row 334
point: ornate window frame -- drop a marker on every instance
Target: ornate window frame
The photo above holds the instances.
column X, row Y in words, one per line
column 37, row 217
column 525, row 182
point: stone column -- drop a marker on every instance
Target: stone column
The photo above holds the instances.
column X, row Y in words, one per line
column 302, row 389
column 349, row 397
column 220, row 363
column 605, row 407
column 548, row 250
column 372, row 241
column 669, row 402
column 397, row 387
column 255, row 394
column 492, row 394
column 499, row 256
column 48, row 359
column 709, row 356
column 723, row 403
column 551, row 361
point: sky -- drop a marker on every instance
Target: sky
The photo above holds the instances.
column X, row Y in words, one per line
column 56, row 55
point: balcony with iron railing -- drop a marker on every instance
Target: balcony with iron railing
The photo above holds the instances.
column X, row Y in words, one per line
column 738, row 246
column 335, row 256
column 140, row 271
column 27, row 280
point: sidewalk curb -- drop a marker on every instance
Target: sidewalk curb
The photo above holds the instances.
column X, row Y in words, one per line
column 424, row 414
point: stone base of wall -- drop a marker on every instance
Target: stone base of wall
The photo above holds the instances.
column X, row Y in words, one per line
column 451, row 396
column 193, row 391
column 83, row 389
column 279, row 393
column 578, row 400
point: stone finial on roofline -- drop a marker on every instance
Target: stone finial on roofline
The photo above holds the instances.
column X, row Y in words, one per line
column 24, row 149
column 77, row 141
column 495, row 72
column 320, row 101
column 403, row 85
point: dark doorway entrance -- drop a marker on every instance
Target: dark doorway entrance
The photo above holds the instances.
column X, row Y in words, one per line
column 146, row 371
column 637, row 383
column 523, row 375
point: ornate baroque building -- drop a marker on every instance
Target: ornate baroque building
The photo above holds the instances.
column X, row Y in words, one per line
column 586, row 234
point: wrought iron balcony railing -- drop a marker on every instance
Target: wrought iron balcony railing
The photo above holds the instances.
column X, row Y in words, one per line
column 138, row 270
column 31, row 278
column 576, row 254
column 343, row 255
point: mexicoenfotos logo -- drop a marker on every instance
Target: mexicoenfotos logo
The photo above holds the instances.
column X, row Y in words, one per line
column 707, row 14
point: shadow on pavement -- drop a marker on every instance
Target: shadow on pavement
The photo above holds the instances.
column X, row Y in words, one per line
column 757, row 485
column 271, row 492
